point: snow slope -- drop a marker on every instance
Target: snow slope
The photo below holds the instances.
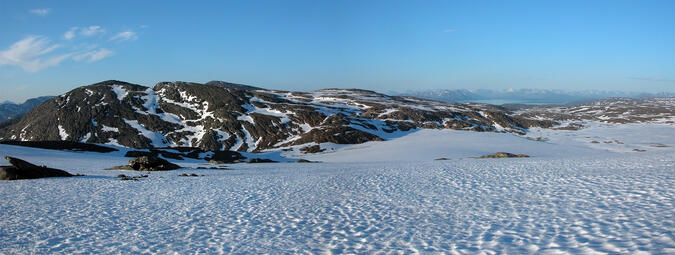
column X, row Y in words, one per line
column 591, row 201
column 428, row 144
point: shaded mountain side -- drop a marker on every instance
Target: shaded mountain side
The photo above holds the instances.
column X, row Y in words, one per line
column 10, row 111
column 227, row 116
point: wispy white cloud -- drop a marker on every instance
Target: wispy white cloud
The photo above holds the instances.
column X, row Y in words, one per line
column 70, row 34
column 40, row 12
column 94, row 55
column 92, row 30
column 127, row 35
column 83, row 31
column 32, row 54
column 35, row 52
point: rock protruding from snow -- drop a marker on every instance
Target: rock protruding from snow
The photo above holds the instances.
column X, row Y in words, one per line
column 151, row 163
column 21, row 169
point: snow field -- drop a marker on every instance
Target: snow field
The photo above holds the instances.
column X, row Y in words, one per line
column 571, row 197
column 620, row 204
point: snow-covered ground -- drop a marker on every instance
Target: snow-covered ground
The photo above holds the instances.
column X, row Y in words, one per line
column 573, row 196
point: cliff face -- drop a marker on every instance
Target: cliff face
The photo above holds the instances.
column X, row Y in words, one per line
column 220, row 115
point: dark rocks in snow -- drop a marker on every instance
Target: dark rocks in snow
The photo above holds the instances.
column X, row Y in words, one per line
column 659, row 145
column 442, row 159
column 260, row 160
column 216, row 162
column 312, row 149
column 151, row 163
column 135, row 154
column 227, row 156
column 123, row 177
column 21, row 169
column 505, row 155
column 306, row 161
column 189, row 175
column 60, row 145
column 147, row 163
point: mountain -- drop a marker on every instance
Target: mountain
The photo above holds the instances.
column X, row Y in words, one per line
column 10, row 110
column 527, row 96
column 220, row 115
column 446, row 95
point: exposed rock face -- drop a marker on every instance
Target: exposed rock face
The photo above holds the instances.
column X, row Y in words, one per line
column 21, row 169
column 226, row 116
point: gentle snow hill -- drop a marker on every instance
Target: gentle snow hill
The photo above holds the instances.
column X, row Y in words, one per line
column 425, row 145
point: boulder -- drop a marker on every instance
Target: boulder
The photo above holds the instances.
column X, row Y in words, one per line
column 21, row 169
column 151, row 163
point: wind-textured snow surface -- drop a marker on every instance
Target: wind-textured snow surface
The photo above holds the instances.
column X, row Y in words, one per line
column 572, row 197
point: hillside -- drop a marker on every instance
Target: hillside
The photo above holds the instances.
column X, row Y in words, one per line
column 10, row 110
column 220, row 115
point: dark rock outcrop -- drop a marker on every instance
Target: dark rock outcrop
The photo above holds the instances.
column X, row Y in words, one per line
column 151, row 163
column 312, row 149
column 61, row 145
column 21, row 169
column 260, row 160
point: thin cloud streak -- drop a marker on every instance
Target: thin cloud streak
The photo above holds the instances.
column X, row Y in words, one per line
column 651, row 79
column 127, row 35
column 40, row 12
column 94, row 55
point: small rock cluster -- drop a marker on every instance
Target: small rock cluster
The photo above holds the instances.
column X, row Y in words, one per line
column 190, row 175
column 131, row 178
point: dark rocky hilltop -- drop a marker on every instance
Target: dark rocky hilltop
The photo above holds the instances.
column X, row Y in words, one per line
column 226, row 116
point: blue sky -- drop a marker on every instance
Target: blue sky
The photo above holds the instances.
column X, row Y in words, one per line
column 51, row 47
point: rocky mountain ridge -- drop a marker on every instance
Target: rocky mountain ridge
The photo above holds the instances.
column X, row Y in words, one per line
column 610, row 110
column 226, row 116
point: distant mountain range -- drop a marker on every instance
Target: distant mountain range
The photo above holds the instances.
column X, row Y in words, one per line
column 10, row 110
column 526, row 96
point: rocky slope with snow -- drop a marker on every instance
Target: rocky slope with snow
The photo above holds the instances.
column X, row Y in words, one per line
column 611, row 110
column 220, row 115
